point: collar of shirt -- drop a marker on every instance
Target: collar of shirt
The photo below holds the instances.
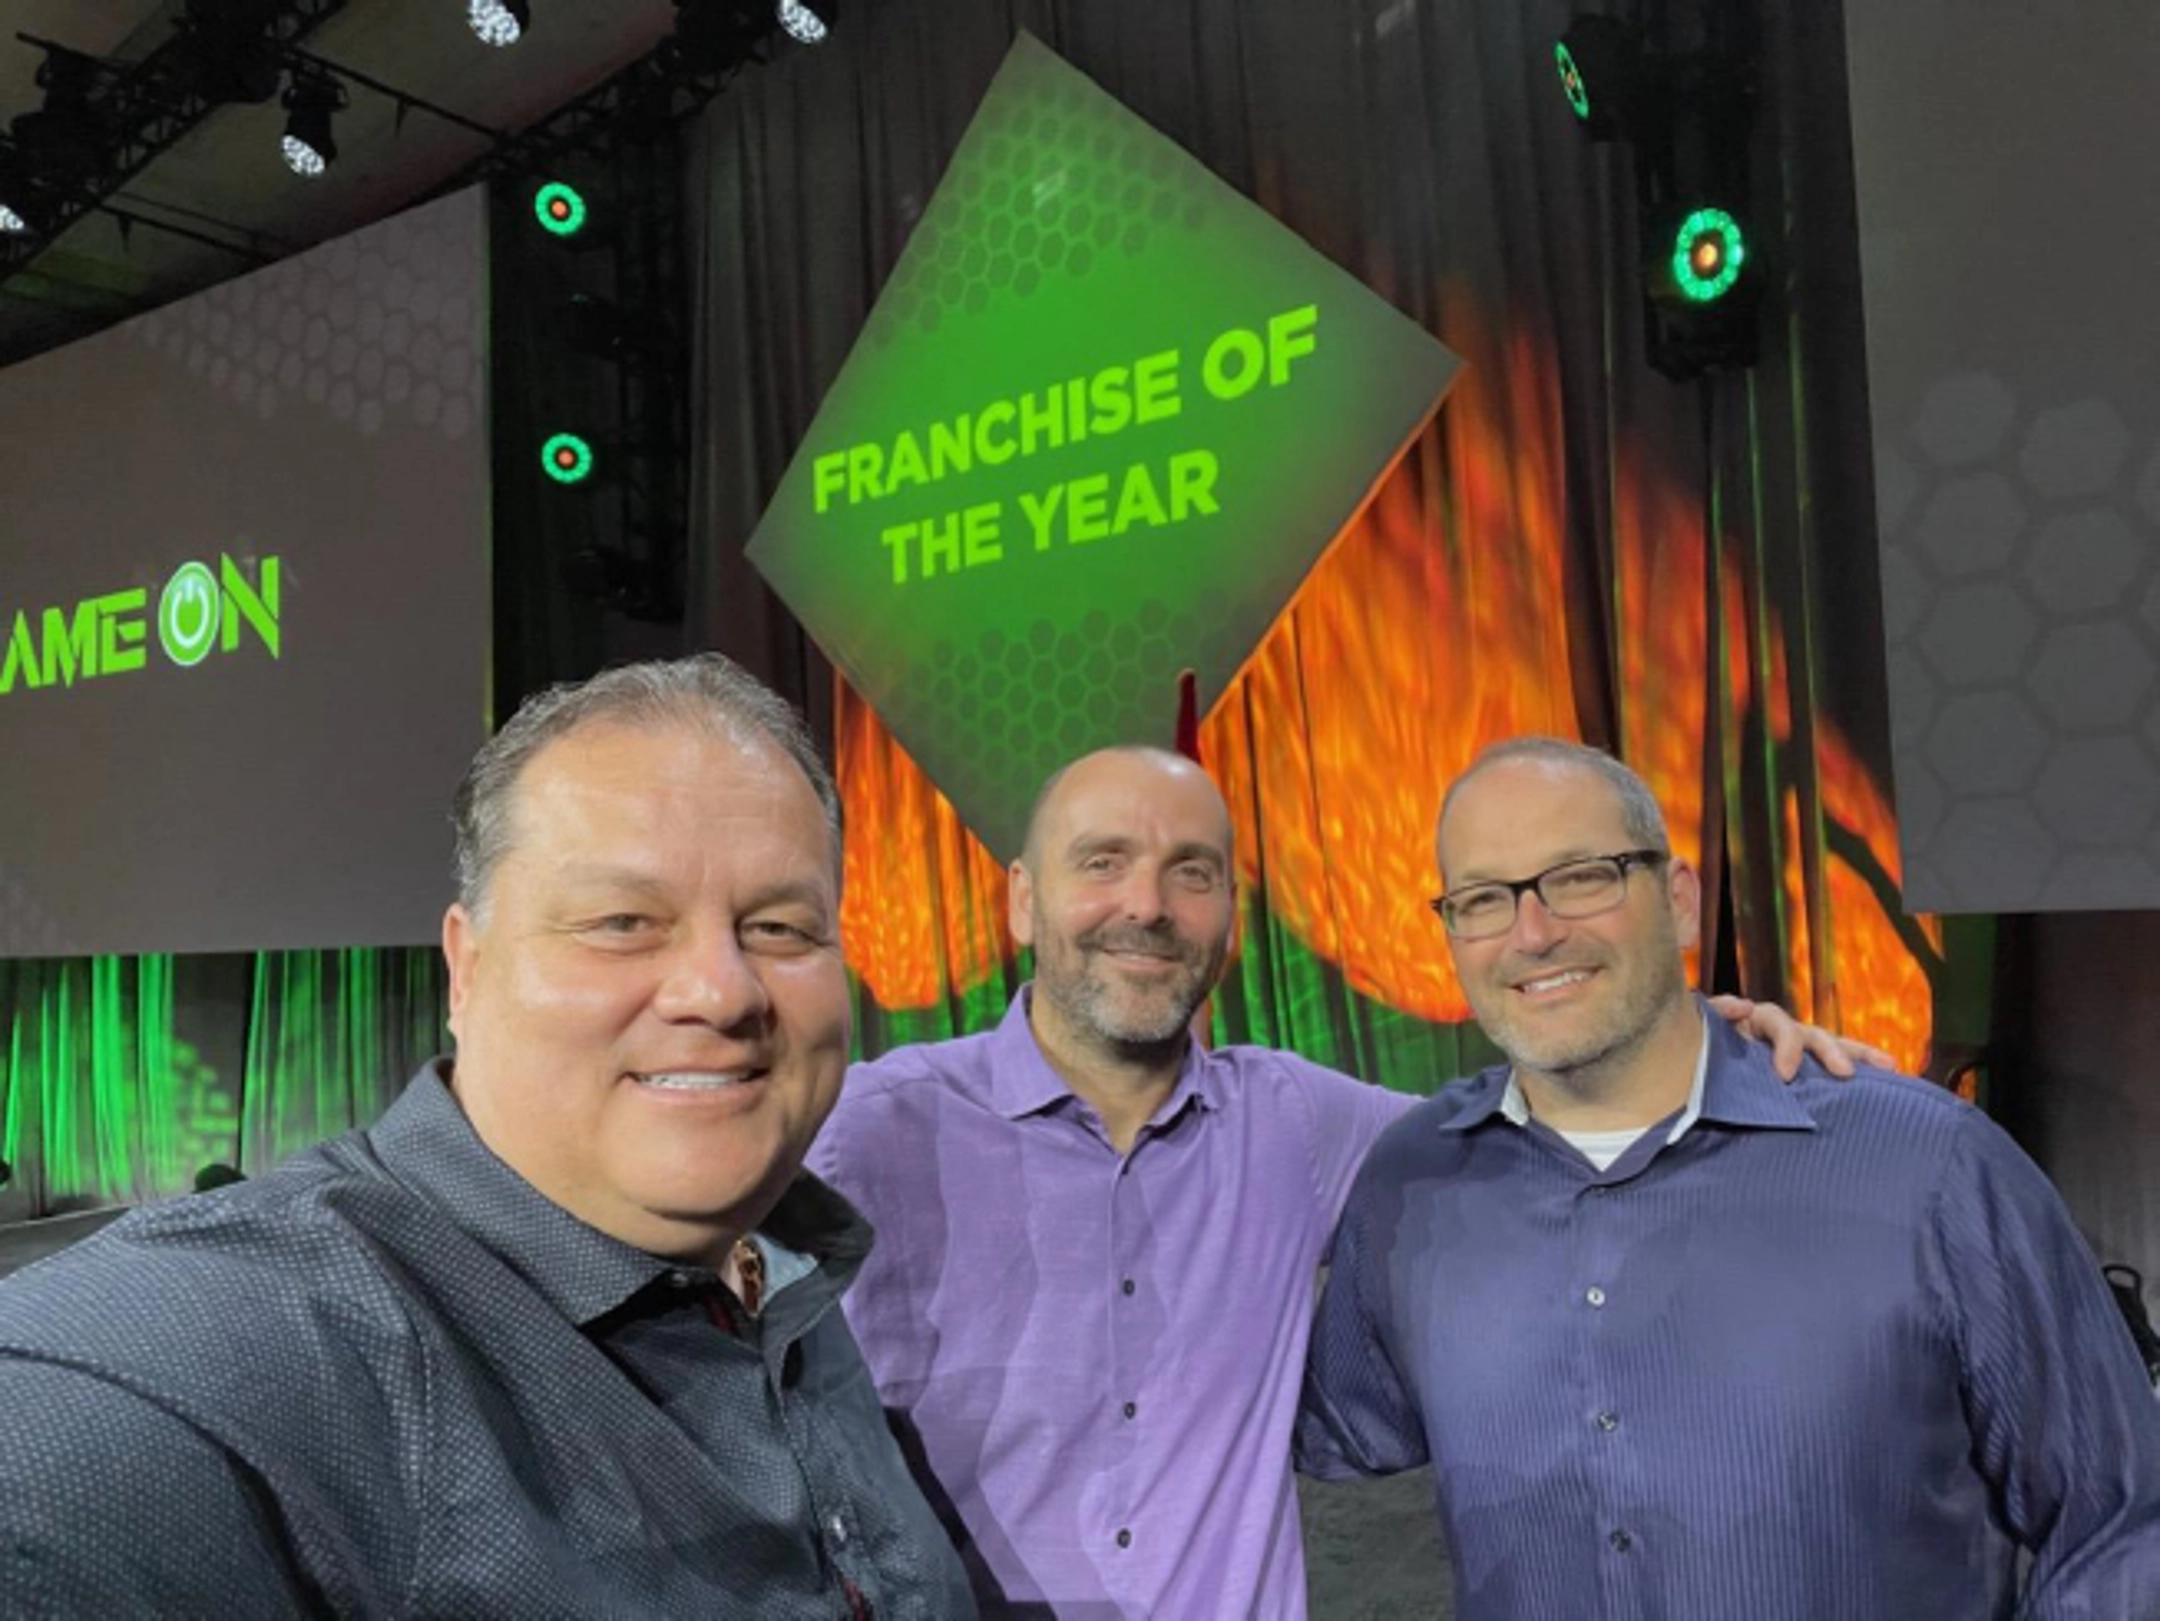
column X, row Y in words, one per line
column 1742, row 1090
column 1023, row 1083
column 428, row 1144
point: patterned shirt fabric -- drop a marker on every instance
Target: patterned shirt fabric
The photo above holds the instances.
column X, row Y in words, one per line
column 1095, row 1358
column 392, row 1379
column 1831, row 1356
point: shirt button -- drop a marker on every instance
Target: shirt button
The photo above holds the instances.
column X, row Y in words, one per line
column 1128, row 1286
column 678, row 1280
column 1621, row 1541
column 1124, row 1539
column 1608, row 1422
column 1594, row 1295
column 836, row 1528
column 1132, row 1409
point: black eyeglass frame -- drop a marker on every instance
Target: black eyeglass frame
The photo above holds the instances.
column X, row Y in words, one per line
column 1626, row 860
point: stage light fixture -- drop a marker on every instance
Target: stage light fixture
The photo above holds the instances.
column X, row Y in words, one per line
column 560, row 208
column 1604, row 75
column 227, row 55
column 311, row 101
column 716, row 36
column 1704, row 283
column 1709, row 251
column 498, row 22
column 568, row 458
column 16, row 206
column 67, row 133
column 803, row 24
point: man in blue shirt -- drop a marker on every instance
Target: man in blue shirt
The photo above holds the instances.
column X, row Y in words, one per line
column 1681, row 1342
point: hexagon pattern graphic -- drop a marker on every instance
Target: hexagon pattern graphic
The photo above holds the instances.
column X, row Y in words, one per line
column 2021, row 600
column 1103, row 420
column 353, row 333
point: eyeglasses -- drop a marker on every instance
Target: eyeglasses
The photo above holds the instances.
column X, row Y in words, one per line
column 1573, row 889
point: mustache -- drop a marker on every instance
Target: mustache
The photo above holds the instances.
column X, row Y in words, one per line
column 1156, row 942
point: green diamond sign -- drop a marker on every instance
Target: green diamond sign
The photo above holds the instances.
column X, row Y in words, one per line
column 1105, row 418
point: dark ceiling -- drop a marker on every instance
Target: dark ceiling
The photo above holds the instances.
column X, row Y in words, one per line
column 225, row 180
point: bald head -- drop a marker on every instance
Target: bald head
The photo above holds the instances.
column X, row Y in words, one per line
column 1149, row 772
column 1125, row 893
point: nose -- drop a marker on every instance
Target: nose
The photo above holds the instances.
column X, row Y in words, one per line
column 1535, row 929
column 1141, row 897
column 712, row 981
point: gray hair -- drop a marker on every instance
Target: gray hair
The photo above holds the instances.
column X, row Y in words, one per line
column 1639, row 812
column 704, row 690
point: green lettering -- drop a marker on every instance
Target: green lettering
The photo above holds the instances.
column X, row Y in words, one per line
column 120, row 636
column 71, row 643
column 260, row 611
column 21, row 662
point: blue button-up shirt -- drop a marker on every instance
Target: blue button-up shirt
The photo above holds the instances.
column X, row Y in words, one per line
column 391, row 1378
column 1831, row 1355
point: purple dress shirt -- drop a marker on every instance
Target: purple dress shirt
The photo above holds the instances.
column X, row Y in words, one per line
column 1093, row 1359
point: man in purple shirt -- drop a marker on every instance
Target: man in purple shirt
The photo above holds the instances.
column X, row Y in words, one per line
column 1679, row 1341
column 1097, row 1241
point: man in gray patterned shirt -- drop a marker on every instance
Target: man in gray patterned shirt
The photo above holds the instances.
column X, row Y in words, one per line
column 560, row 1335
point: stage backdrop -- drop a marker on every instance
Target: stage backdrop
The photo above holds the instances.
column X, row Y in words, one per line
column 243, row 596
column 1575, row 545
column 2010, row 231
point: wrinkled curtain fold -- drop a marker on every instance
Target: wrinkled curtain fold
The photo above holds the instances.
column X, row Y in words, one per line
column 121, row 1077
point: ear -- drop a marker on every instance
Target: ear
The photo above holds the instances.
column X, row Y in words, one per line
column 1020, row 903
column 1684, row 890
column 461, row 953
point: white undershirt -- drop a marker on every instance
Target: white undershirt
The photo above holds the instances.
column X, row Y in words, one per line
column 1601, row 1148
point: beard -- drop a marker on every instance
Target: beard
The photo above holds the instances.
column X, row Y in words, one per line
column 1096, row 998
column 1635, row 989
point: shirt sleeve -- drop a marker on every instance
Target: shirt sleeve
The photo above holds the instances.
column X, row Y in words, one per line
column 2065, row 1424
column 1348, row 1116
column 1357, row 1416
column 111, row 1506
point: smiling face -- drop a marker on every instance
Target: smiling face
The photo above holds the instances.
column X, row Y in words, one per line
column 650, row 1011
column 1561, row 996
column 1126, row 894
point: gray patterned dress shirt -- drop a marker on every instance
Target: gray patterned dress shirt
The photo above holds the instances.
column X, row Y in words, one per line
column 392, row 1379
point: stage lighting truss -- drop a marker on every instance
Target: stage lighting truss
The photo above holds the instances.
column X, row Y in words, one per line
column 498, row 22
column 312, row 100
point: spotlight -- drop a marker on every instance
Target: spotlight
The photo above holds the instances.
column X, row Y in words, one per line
column 310, row 102
column 498, row 22
column 1708, row 253
column 1604, row 75
column 560, row 208
column 1704, row 283
column 20, row 212
column 804, row 25
column 568, row 458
